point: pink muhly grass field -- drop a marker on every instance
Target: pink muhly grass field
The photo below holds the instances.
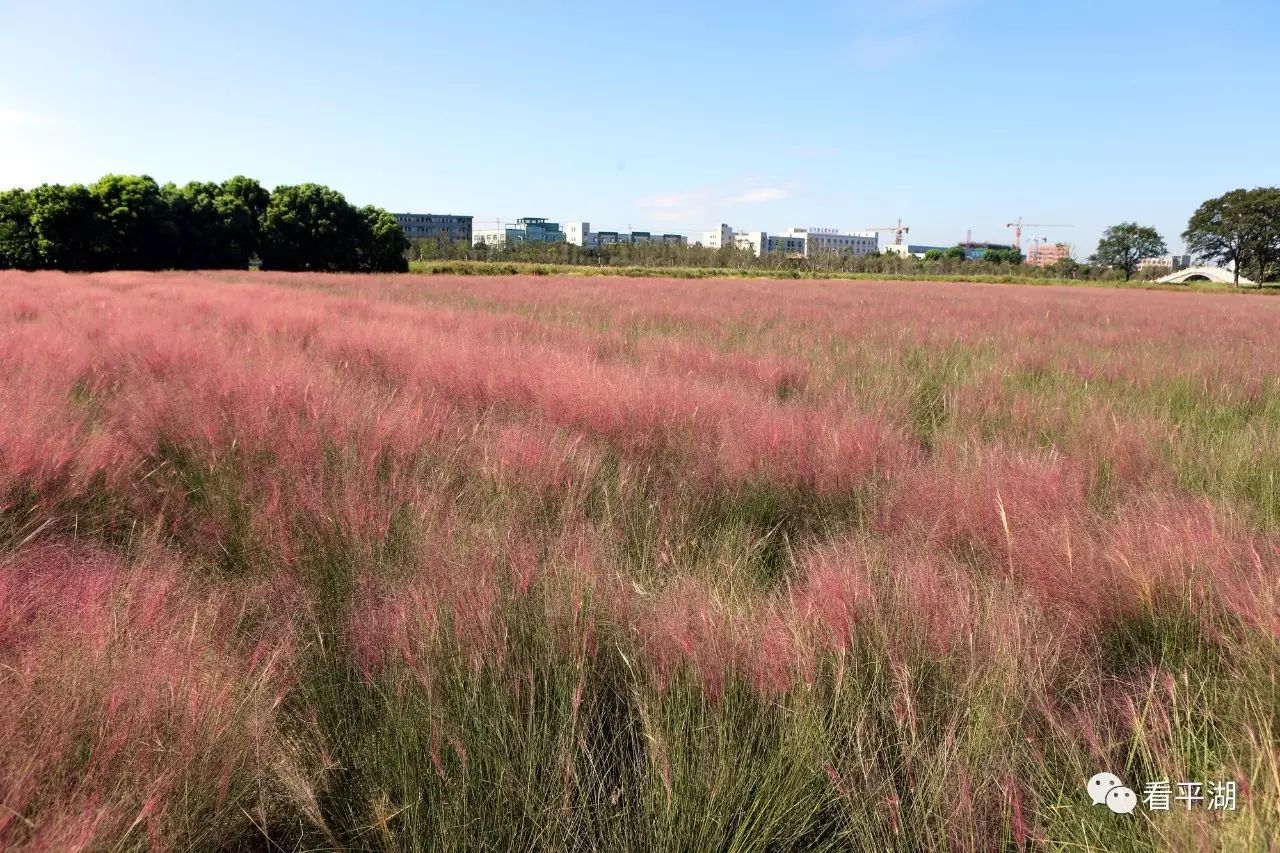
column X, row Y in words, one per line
column 325, row 562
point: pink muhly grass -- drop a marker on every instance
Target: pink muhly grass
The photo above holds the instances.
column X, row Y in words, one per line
column 452, row 599
column 834, row 593
column 1173, row 548
column 121, row 660
column 683, row 625
column 1017, row 820
column 791, row 446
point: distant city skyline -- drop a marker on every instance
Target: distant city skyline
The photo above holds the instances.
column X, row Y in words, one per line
column 953, row 115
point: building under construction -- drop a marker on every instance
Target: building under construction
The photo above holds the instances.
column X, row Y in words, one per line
column 1047, row 254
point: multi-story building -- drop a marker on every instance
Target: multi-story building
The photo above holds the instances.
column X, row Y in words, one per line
column 913, row 249
column 1174, row 263
column 530, row 229
column 976, row 251
column 762, row 243
column 1047, row 254
column 832, row 241
column 650, row 237
column 718, row 239
column 443, row 228
column 580, row 234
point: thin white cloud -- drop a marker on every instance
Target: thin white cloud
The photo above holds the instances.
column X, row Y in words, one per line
column 676, row 206
column 760, row 195
column 677, row 215
column 700, row 205
column 669, row 200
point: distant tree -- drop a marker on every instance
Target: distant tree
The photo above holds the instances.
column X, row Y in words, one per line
column 1240, row 228
column 956, row 253
column 1218, row 232
column 19, row 242
column 310, row 227
column 1123, row 246
column 1068, row 268
column 194, row 212
column 134, row 227
column 384, row 242
column 1002, row 256
column 67, row 226
column 934, row 255
column 242, row 202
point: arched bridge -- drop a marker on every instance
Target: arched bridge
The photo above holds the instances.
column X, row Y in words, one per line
column 1218, row 274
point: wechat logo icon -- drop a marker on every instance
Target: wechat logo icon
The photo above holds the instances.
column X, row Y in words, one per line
column 1107, row 789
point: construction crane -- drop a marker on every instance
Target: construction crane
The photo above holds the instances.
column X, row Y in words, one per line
column 1019, row 225
column 897, row 230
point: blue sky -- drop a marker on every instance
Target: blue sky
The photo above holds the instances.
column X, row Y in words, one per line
column 951, row 114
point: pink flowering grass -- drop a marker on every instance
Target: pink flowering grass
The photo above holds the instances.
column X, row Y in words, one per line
column 358, row 562
column 131, row 713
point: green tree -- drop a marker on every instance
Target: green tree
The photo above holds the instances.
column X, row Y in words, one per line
column 193, row 209
column 310, row 227
column 1240, row 228
column 242, row 202
column 134, row 227
column 218, row 226
column 384, row 242
column 1123, row 246
column 934, row 255
column 67, row 227
column 19, row 242
column 1068, row 268
column 1217, row 231
column 956, row 253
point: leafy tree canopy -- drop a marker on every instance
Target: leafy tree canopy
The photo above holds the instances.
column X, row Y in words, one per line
column 1240, row 228
column 1123, row 246
column 130, row 222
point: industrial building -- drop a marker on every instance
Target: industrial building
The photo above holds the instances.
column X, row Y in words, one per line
column 443, row 228
column 763, row 243
column 530, row 229
column 799, row 242
column 977, row 251
column 718, row 239
column 831, row 241
column 580, row 234
column 913, row 250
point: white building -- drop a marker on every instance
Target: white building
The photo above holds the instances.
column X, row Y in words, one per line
column 719, row 238
column 763, row 243
column 580, row 234
column 1174, row 263
column 530, row 229
column 832, row 241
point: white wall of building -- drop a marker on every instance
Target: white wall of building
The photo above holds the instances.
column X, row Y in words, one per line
column 576, row 232
column 491, row 236
column 831, row 240
column 719, row 238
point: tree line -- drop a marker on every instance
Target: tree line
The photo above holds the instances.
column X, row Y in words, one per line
column 952, row 261
column 131, row 222
column 1239, row 229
